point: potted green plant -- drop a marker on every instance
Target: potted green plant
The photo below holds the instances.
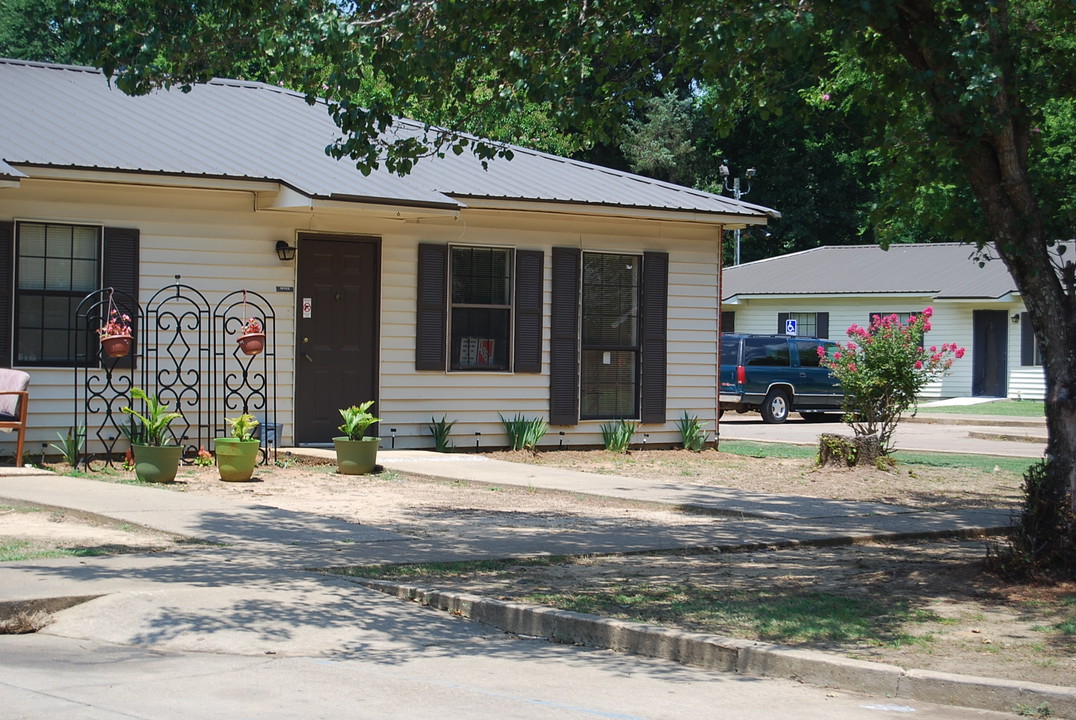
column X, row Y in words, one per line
column 155, row 459
column 115, row 334
column 355, row 453
column 237, row 455
column 251, row 337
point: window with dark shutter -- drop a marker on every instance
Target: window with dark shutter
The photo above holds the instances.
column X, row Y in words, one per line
column 1029, row 347
column 480, row 308
column 610, row 338
column 56, row 266
column 7, row 244
column 431, row 296
column 564, row 338
column 530, row 266
column 653, row 376
column 728, row 321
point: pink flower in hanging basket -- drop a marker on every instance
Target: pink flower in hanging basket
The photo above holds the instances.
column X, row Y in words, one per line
column 252, row 326
column 117, row 325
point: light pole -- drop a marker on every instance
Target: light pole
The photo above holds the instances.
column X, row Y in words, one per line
column 737, row 192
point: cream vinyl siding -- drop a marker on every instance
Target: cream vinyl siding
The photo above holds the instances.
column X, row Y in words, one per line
column 218, row 243
column 410, row 399
column 212, row 239
column 951, row 322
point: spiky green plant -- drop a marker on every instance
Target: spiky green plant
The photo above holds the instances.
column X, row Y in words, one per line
column 524, row 433
column 617, row 435
column 70, row 445
column 691, row 432
column 441, row 429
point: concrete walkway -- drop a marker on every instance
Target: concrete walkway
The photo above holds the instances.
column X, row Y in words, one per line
column 247, row 592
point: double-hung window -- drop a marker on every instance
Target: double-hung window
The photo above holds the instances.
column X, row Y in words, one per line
column 56, row 265
column 481, row 308
column 609, row 367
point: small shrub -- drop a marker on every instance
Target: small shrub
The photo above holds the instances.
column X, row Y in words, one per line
column 22, row 622
column 356, row 419
column 1042, row 542
column 441, row 429
column 617, row 435
column 691, row 432
column 524, row 433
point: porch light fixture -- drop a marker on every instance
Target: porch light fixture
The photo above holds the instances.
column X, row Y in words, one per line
column 284, row 251
column 1016, row 319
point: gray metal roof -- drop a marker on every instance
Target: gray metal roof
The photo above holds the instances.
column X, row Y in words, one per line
column 941, row 270
column 69, row 117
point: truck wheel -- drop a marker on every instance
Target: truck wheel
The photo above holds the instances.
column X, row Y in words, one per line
column 775, row 407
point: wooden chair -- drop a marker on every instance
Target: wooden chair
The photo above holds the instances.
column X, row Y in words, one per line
column 14, row 398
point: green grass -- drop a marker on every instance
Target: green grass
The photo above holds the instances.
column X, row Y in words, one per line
column 784, row 616
column 770, row 450
column 790, row 616
column 444, row 569
column 930, row 459
column 16, row 550
column 1010, row 408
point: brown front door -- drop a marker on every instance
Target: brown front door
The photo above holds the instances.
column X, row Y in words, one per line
column 337, row 331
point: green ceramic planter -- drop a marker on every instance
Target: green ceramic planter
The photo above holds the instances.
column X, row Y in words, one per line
column 356, row 457
column 236, row 458
column 156, row 463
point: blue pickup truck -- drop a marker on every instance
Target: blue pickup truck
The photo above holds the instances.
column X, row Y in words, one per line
column 777, row 375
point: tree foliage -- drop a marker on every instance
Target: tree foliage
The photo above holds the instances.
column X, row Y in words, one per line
column 965, row 105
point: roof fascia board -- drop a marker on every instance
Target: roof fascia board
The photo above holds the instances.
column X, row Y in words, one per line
column 288, row 200
column 609, row 211
column 152, row 179
column 978, row 299
column 743, row 297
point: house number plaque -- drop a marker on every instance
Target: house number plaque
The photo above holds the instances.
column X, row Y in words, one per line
column 308, row 307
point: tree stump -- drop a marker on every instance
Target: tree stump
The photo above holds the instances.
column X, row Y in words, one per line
column 848, row 451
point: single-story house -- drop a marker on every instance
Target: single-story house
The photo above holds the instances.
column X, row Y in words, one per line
column 828, row 289
column 539, row 285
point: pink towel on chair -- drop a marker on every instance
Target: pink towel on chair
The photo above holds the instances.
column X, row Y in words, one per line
column 12, row 380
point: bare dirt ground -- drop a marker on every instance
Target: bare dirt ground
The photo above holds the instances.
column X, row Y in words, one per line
column 955, row 616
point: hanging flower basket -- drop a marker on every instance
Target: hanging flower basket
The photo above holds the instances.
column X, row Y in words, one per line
column 251, row 337
column 251, row 343
column 116, row 346
column 116, row 333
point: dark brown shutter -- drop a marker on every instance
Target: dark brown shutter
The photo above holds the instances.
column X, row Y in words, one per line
column 564, row 338
column 728, row 321
column 528, row 310
column 654, row 325
column 822, row 324
column 7, row 289
column 120, row 271
column 431, row 320
column 1027, row 340
column 781, row 319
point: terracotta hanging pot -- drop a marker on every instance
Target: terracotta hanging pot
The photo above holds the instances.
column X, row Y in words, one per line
column 116, row 346
column 251, row 343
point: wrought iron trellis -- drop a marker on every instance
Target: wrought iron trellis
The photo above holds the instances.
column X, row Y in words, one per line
column 102, row 389
column 181, row 355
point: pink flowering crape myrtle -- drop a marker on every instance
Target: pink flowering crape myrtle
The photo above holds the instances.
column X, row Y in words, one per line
column 884, row 368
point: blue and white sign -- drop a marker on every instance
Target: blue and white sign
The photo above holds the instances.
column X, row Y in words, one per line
column 790, row 327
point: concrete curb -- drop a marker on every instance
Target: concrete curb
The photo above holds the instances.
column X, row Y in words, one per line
column 746, row 657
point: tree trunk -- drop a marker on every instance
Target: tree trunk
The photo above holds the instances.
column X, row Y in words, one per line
column 991, row 144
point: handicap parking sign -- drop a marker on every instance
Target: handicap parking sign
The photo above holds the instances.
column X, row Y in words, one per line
column 790, row 327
